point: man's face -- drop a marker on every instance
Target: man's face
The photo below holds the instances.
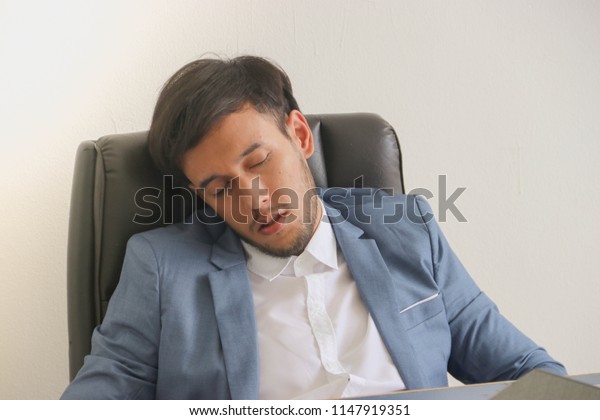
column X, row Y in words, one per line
column 257, row 179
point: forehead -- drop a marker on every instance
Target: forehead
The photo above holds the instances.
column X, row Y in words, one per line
column 229, row 138
column 238, row 128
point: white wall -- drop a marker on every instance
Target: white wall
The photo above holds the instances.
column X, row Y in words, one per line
column 501, row 96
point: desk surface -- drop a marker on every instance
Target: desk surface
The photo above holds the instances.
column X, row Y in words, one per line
column 468, row 392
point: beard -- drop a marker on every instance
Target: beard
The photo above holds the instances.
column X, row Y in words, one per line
column 301, row 238
column 306, row 227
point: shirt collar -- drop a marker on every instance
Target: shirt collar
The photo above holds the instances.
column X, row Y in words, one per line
column 322, row 248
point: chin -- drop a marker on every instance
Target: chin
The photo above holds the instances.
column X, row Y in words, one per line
column 285, row 247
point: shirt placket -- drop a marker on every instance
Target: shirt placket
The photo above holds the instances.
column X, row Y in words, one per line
column 322, row 329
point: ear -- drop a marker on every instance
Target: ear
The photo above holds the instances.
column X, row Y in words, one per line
column 299, row 132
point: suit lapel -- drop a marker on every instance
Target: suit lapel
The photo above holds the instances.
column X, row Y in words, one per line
column 374, row 282
column 234, row 310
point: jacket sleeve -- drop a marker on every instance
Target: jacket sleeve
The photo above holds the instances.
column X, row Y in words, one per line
column 486, row 347
column 123, row 360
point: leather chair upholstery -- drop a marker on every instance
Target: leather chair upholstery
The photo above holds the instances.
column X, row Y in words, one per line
column 116, row 182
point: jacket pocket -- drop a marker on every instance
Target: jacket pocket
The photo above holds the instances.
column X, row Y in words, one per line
column 421, row 311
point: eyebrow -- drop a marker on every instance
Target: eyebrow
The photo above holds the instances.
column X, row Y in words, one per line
column 245, row 153
column 249, row 150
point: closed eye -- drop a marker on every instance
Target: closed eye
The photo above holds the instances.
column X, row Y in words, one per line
column 221, row 190
column 262, row 162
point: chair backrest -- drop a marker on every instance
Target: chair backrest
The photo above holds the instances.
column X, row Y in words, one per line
column 117, row 192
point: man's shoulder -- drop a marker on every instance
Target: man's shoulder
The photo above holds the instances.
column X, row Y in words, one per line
column 337, row 196
column 354, row 203
column 189, row 236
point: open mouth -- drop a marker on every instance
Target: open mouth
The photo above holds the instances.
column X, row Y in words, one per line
column 275, row 223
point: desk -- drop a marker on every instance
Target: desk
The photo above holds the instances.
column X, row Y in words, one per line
column 468, row 392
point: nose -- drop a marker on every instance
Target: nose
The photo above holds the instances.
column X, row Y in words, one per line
column 253, row 194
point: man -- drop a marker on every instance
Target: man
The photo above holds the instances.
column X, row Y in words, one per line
column 301, row 293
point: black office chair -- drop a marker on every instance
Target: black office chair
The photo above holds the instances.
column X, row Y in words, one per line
column 115, row 181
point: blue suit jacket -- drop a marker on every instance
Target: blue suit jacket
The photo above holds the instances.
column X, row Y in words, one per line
column 181, row 323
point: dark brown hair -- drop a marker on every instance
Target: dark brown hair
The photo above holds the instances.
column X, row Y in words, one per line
column 205, row 91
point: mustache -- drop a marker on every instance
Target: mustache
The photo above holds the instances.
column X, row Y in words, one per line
column 265, row 215
column 261, row 213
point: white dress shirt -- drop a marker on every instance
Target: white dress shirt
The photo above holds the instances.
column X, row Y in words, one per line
column 316, row 338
